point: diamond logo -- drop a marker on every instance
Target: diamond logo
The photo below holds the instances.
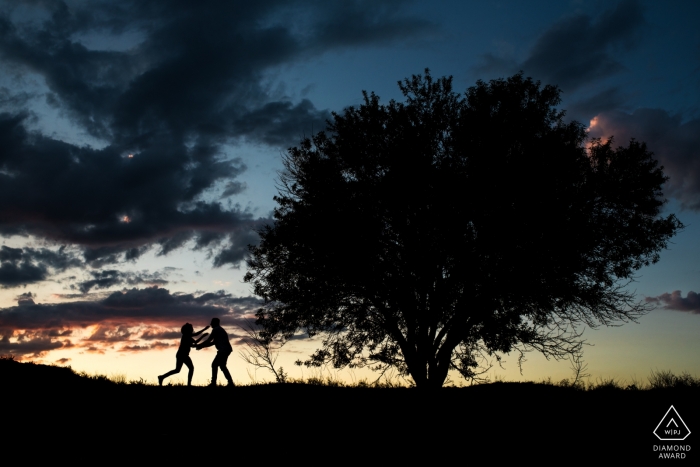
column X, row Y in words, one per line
column 671, row 427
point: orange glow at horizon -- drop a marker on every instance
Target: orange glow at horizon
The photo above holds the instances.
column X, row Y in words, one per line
column 126, row 219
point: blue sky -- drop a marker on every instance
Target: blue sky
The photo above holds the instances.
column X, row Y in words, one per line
column 207, row 97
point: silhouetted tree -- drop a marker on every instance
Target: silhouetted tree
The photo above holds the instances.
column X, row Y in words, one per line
column 431, row 233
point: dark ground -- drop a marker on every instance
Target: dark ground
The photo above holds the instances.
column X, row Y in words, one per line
column 511, row 422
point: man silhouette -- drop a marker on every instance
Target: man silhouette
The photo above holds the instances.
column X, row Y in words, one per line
column 218, row 338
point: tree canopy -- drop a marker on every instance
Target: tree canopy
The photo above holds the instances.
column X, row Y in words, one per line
column 428, row 234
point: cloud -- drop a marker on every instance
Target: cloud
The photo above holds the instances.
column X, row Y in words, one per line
column 233, row 188
column 143, row 79
column 608, row 99
column 15, row 274
column 25, row 299
column 110, row 334
column 176, row 78
column 22, row 266
column 150, row 306
column 108, row 278
column 106, row 203
column 82, row 296
column 675, row 301
column 674, row 142
column 141, row 348
column 236, row 248
column 579, row 49
column 132, row 320
column 153, row 334
column 32, row 344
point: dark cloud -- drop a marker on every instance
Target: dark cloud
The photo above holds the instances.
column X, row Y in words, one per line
column 15, row 274
column 130, row 308
column 180, row 79
column 101, row 256
column 675, row 301
column 105, row 279
column 602, row 101
column 277, row 123
column 14, row 100
column 233, row 188
column 25, row 299
column 153, row 334
column 30, row 343
column 237, row 247
column 22, row 266
column 675, row 143
column 63, row 361
column 357, row 23
column 105, row 202
column 111, row 334
column 142, row 348
column 129, row 321
column 83, row 296
column 579, row 49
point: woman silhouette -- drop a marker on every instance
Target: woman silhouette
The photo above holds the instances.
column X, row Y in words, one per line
column 183, row 353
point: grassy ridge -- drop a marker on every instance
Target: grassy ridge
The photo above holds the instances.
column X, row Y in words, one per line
column 32, row 373
column 326, row 420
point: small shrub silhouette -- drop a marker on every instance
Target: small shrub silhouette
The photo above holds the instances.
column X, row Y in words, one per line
column 667, row 380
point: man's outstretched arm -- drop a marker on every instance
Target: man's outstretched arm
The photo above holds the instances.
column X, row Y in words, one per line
column 207, row 343
column 194, row 343
column 200, row 331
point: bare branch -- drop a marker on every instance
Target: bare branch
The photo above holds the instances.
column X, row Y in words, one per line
column 263, row 352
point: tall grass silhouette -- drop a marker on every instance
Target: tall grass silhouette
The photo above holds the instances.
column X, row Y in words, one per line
column 14, row 371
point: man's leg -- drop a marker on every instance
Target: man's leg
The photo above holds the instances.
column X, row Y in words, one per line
column 224, row 370
column 214, row 370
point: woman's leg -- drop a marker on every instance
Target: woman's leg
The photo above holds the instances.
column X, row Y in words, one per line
column 188, row 361
column 178, row 367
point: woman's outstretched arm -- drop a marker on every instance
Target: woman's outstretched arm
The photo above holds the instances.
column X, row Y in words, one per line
column 200, row 331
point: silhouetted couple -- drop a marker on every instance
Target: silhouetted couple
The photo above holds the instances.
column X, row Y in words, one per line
column 218, row 338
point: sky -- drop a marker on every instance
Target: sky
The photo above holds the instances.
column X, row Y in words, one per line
column 141, row 144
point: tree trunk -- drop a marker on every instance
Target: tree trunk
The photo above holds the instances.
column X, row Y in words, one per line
column 427, row 372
